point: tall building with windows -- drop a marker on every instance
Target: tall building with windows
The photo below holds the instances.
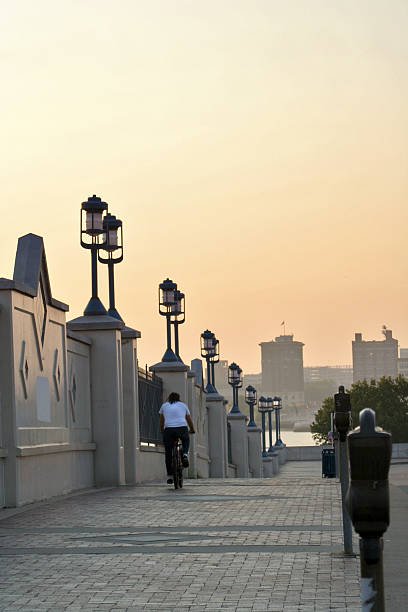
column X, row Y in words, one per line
column 373, row 359
column 403, row 362
column 339, row 374
column 282, row 370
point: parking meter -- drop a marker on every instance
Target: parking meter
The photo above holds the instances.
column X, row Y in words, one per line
column 342, row 413
column 368, row 500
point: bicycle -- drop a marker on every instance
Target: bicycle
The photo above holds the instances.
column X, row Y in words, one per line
column 177, row 464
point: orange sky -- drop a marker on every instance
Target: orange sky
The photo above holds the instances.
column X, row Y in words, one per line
column 255, row 150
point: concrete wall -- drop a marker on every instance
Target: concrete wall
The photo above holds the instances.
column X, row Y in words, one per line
column 400, row 451
column 304, row 453
column 44, row 385
column 203, row 459
column 69, row 400
column 150, row 464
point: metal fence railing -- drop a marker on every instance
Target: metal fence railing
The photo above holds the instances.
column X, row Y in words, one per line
column 150, row 399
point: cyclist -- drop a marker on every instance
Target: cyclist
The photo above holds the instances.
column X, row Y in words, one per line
column 175, row 422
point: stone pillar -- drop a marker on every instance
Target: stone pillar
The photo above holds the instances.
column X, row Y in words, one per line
column 130, row 402
column 225, row 436
column 217, row 425
column 239, row 443
column 267, row 463
column 275, row 463
column 192, row 470
column 174, row 377
column 282, row 454
column 106, row 395
column 254, row 451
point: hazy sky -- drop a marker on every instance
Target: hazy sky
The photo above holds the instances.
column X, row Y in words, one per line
column 256, row 151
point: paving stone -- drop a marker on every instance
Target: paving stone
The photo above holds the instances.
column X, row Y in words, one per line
column 272, row 544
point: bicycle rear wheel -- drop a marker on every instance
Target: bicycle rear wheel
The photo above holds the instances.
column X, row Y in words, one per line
column 175, row 467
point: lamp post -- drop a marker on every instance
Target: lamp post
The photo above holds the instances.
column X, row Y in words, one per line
column 277, row 404
column 167, row 290
column 263, row 408
column 178, row 316
column 250, row 398
column 269, row 402
column 215, row 358
column 207, row 350
column 235, row 380
column 91, row 227
column 112, row 243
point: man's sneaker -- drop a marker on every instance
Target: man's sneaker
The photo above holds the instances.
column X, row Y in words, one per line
column 184, row 461
column 169, row 481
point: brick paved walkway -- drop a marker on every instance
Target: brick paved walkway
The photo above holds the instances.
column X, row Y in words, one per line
column 215, row 545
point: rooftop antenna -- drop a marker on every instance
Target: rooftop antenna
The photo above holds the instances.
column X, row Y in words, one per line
column 284, row 327
column 383, row 330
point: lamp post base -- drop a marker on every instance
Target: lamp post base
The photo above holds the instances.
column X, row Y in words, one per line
column 169, row 355
column 95, row 307
column 112, row 312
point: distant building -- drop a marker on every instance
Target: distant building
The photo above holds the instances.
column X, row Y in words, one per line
column 282, row 370
column 374, row 359
column 253, row 379
column 221, row 378
column 403, row 362
column 340, row 375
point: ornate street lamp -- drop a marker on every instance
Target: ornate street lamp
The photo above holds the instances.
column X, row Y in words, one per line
column 269, row 401
column 178, row 316
column 235, row 380
column 167, row 301
column 214, row 358
column 207, row 351
column 263, row 408
column 277, row 404
column 250, row 398
column 91, row 228
column 112, row 243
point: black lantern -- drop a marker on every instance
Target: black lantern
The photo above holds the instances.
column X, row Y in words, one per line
column 91, row 229
column 235, row 380
column 178, row 316
column 263, row 409
column 208, row 351
column 167, row 300
column 250, row 398
column 112, row 243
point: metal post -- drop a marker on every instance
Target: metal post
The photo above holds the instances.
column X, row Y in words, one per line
column 176, row 340
column 372, row 576
column 277, row 425
column 251, row 415
column 344, row 481
column 94, row 270
column 111, row 286
column 209, row 374
column 264, row 453
column 212, row 374
column 168, row 333
column 270, row 449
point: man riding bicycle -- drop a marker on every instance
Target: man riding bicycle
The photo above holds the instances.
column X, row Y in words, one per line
column 175, row 422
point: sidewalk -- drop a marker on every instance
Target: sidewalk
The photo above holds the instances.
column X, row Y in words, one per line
column 235, row 545
column 396, row 541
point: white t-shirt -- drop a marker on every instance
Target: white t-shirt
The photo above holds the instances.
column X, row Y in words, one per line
column 174, row 414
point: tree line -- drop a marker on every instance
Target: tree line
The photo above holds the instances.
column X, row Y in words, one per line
column 388, row 397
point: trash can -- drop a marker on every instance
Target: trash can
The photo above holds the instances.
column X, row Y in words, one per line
column 328, row 463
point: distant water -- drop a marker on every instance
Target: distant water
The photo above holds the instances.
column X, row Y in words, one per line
column 294, row 438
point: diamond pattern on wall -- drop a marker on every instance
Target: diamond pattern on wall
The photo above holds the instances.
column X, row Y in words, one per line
column 56, row 374
column 24, row 369
column 72, row 392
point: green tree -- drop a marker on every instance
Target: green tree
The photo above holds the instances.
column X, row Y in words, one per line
column 388, row 398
